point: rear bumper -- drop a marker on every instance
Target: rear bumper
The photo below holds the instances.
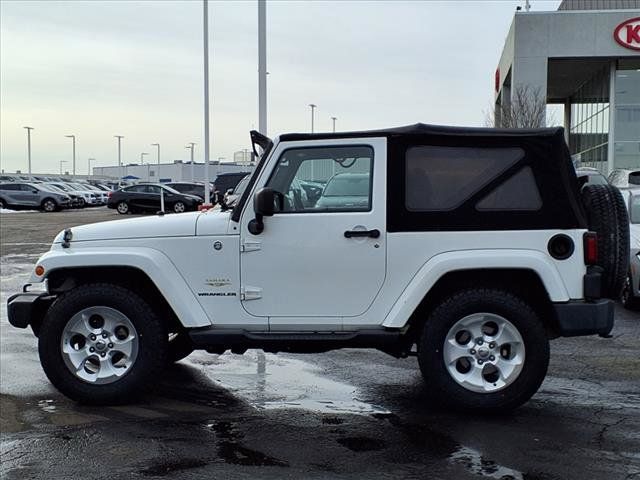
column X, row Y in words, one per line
column 585, row 318
column 27, row 308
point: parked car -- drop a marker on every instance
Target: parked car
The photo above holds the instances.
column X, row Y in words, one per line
column 101, row 195
column 86, row 198
column 624, row 178
column 95, row 198
column 191, row 188
column 631, row 292
column 77, row 201
column 146, row 197
column 25, row 195
column 591, row 176
column 349, row 191
column 230, row 198
column 226, row 182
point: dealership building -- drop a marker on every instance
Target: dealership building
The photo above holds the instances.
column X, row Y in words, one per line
column 584, row 58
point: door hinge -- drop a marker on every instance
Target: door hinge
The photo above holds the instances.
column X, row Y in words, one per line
column 250, row 246
column 250, row 293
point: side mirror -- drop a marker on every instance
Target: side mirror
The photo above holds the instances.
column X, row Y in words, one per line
column 263, row 206
column 34, row 191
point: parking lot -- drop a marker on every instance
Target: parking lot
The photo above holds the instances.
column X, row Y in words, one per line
column 343, row 414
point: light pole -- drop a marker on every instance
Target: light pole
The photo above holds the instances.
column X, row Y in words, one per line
column 119, row 137
column 157, row 145
column 89, row 165
column 142, row 157
column 262, row 66
column 73, row 138
column 313, row 109
column 190, row 147
column 61, row 162
column 29, row 149
column 333, row 119
column 205, row 29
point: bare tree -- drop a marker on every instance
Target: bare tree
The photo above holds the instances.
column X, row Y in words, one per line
column 526, row 109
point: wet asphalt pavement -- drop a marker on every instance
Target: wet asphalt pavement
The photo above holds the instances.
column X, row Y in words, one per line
column 343, row 414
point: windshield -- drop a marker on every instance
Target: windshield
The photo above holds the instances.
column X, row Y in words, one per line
column 242, row 185
column 634, row 211
column 77, row 186
column 63, row 187
column 347, row 186
column 169, row 189
column 50, row 188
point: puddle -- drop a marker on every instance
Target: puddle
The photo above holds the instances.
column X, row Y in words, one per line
column 47, row 406
column 268, row 381
column 473, row 461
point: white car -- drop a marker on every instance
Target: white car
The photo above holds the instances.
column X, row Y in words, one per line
column 473, row 249
column 625, row 178
column 85, row 198
column 102, row 195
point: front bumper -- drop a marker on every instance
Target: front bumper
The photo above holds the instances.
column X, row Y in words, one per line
column 577, row 318
column 28, row 308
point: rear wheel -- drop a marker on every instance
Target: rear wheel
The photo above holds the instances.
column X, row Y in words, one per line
column 483, row 350
column 49, row 205
column 629, row 301
column 122, row 208
column 101, row 344
column 607, row 216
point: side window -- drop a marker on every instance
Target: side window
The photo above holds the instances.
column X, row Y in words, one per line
column 27, row 188
column 519, row 192
column 442, row 178
column 9, row 187
column 327, row 179
column 152, row 189
column 135, row 189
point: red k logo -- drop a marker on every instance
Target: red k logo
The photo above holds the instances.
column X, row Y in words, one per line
column 627, row 33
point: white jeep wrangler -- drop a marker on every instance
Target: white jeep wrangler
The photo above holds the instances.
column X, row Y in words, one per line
column 469, row 248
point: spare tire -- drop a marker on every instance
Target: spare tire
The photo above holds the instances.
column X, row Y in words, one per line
column 607, row 216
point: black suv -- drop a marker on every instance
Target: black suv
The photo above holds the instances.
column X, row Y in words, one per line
column 228, row 181
column 190, row 188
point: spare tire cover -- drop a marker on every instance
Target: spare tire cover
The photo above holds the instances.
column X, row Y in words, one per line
column 607, row 216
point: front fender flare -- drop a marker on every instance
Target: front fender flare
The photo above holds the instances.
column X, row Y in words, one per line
column 439, row 265
column 154, row 263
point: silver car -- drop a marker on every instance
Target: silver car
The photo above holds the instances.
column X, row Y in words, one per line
column 631, row 291
column 34, row 195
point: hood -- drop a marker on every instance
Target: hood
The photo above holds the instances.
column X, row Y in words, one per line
column 170, row 225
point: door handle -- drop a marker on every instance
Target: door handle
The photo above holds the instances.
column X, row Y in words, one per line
column 375, row 233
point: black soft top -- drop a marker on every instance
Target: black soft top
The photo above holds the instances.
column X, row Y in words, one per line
column 421, row 129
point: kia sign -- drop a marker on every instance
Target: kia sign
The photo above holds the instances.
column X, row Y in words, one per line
column 627, row 33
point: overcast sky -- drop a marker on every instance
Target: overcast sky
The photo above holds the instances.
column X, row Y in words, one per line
column 134, row 68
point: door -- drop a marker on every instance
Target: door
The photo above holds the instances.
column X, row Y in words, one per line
column 318, row 257
column 29, row 195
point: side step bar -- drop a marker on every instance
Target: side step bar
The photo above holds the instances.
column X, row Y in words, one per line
column 217, row 340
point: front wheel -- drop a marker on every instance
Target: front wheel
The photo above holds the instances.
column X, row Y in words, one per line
column 49, row 205
column 122, row 208
column 483, row 350
column 102, row 344
column 179, row 207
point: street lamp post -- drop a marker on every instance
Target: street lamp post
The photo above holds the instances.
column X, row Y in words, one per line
column 205, row 29
column 313, row 109
column 119, row 137
column 73, row 138
column 29, row 149
column 157, row 145
column 89, row 165
column 190, row 147
column 262, row 66
column 333, row 119
column 61, row 162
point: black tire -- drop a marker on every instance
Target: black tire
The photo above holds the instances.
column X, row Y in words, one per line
column 448, row 392
column 82, row 203
column 152, row 344
column 122, row 208
column 179, row 207
column 179, row 347
column 49, row 205
column 626, row 297
column 607, row 216
column 3, row 204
